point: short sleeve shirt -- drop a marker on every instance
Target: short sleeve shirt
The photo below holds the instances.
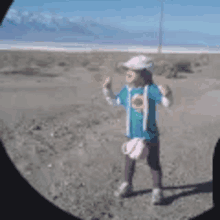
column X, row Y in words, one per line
column 136, row 119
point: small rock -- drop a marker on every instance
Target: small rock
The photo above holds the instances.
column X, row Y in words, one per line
column 66, row 183
column 55, row 197
column 94, row 218
column 37, row 128
column 81, row 185
column 110, row 215
column 81, row 145
column 62, row 64
column 78, row 122
column 28, row 173
column 49, row 165
column 51, row 134
column 116, row 218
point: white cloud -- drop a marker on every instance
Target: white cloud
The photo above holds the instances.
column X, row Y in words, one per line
column 13, row 14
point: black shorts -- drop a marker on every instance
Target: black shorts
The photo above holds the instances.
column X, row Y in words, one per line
column 152, row 152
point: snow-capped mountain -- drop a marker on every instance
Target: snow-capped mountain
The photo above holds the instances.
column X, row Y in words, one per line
column 34, row 21
column 27, row 25
column 39, row 26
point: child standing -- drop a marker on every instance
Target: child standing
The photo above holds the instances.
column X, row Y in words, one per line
column 141, row 122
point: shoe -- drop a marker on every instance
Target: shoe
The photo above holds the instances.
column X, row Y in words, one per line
column 124, row 190
column 157, row 196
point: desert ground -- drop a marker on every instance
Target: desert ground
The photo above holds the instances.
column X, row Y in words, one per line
column 66, row 141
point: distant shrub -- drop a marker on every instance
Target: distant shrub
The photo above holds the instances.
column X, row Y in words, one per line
column 98, row 77
column 42, row 64
column 183, row 66
column 93, row 69
column 62, row 64
column 202, row 60
column 85, row 63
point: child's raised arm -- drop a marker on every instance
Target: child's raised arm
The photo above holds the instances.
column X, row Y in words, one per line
column 108, row 93
column 162, row 95
column 167, row 98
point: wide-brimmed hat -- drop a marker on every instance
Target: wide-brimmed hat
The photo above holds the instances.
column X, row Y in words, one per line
column 139, row 63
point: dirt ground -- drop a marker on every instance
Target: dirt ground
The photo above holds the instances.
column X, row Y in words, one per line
column 66, row 139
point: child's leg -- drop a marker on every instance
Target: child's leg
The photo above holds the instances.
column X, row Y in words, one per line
column 153, row 161
column 126, row 187
column 129, row 169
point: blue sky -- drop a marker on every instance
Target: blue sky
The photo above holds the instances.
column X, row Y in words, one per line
column 192, row 15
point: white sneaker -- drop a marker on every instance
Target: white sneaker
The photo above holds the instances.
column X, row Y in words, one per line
column 124, row 190
column 157, row 196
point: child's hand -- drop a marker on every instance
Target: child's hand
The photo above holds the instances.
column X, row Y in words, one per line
column 165, row 90
column 108, row 83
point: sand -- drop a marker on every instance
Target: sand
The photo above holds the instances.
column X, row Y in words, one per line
column 68, row 139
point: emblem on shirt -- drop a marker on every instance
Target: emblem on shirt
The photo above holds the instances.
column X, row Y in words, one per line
column 137, row 102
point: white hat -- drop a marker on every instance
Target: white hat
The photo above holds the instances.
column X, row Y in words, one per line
column 140, row 62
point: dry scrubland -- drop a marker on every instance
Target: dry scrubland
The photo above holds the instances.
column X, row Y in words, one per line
column 51, row 63
column 73, row 156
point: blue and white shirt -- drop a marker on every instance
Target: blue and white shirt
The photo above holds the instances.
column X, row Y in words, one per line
column 140, row 124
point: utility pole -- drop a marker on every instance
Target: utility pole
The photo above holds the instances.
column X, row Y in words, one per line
column 160, row 28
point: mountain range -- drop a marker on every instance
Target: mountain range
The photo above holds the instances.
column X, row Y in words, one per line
column 35, row 26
